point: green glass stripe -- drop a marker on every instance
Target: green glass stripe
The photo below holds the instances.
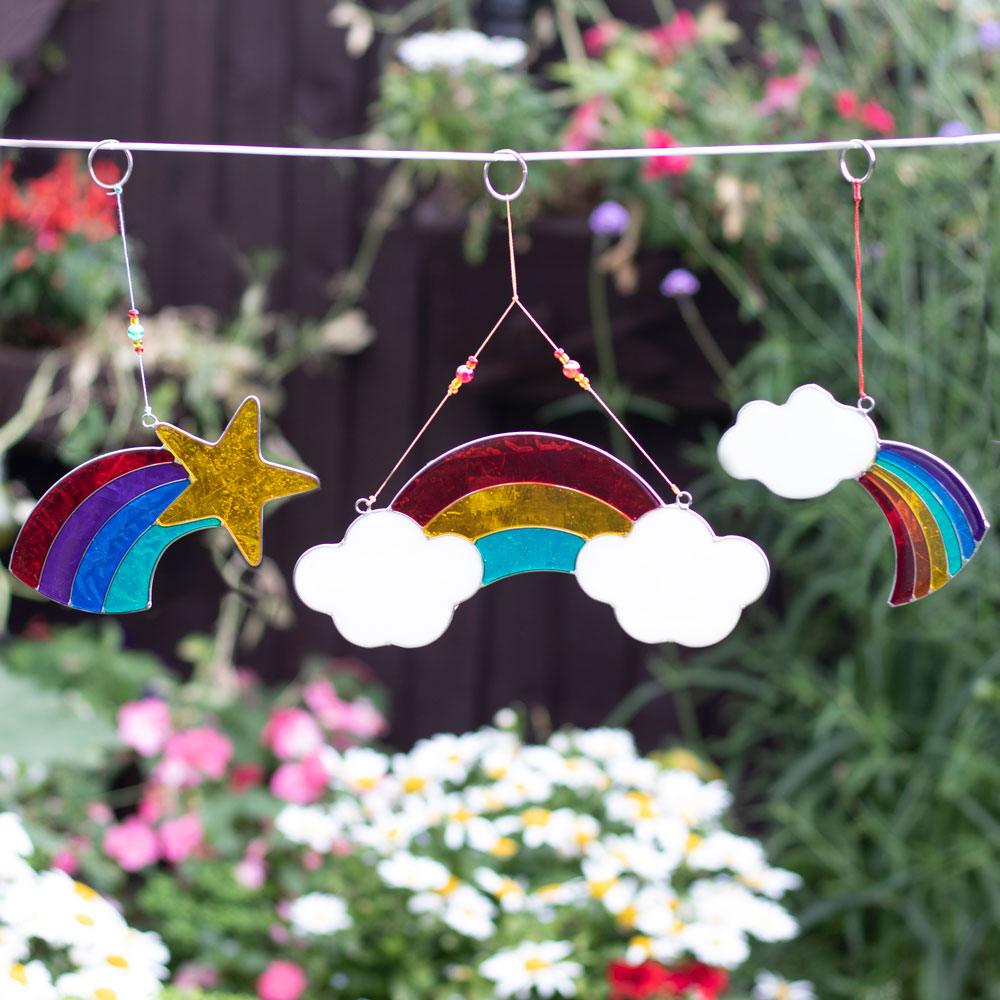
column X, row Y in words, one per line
column 952, row 546
column 132, row 585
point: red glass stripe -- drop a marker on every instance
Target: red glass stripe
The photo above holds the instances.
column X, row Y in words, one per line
column 913, row 564
column 64, row 497
column 524, row 457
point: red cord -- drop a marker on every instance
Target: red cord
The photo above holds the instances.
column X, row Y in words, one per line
column 857, row 287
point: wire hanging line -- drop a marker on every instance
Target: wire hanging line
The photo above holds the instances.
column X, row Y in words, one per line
column 430, row 155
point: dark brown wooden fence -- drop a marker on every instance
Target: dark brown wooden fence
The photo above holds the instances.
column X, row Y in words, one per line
column 275, row 72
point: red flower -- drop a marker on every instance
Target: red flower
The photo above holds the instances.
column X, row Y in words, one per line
column 634, row 982
column 245, row 776
column 875, row 116
column 597, row 38
column 585, row 127
column 675, row 36
column 663, row 166
column 846, row 103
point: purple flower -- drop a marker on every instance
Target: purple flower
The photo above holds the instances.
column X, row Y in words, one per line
column 679, row 282
column 953, row 129
column 610, row 218
column 989, row 35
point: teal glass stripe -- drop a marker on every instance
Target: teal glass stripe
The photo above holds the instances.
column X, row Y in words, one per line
column 898, row 464
column 949, row 536
column 528, row 550
column 131, row 587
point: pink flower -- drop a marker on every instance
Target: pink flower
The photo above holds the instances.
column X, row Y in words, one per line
column 292, row 733
column 663, row 166
column 132, row 844
column 282, row 980
column 364, row 720
column 312, row 861
column 585, row 127
column 157, row 800
column 846, row 104
column 100, row 813
column 196, row 753
column 66, row 861
column 781, row 93
column 878, row 117
column 597, row 38
column 192, row 976
column 251, row 873
column 675, row 36
column 181, row 837
column 301, row 781
column 144, row 725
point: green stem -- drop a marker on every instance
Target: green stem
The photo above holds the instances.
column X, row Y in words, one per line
column 707, row 344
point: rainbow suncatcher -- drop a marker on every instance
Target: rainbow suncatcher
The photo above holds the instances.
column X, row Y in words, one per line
column 529, row 501
column 937, row 523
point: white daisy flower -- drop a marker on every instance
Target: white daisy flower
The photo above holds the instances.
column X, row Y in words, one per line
column 311, row 826
column 319, row 913
column 541, row 967
column 26, row 982
column 715, row 944
column 452, row 50
column 768, row 986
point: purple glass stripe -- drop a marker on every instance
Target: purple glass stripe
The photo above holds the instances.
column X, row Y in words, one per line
column 79, row 529
column 952, row 481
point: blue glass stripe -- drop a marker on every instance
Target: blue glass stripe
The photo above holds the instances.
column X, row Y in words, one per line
column 953, row 551
column 112, row 542
column 131, row 588
column 528, row 550
column 898, row 463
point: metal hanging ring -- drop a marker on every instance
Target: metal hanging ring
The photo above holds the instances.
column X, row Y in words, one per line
column 507, row 155
column 123, row 180
column 684, row 499
column 364, row 504
column 149, row 419
column 845, row 170
column 866, row 403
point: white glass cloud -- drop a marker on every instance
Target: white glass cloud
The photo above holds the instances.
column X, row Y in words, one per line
column 387, row 583
column 671, row 579
column 802, row 448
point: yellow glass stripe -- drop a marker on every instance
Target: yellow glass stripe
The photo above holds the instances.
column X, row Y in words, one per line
column 528, row 505
column 932, row 533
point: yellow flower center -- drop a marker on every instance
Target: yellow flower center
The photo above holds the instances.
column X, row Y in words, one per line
column 693, row 840
column 641, row 941
column 537, row 964
column 365, row 784
column 583, row 838
column 84, row 891
column 536, row 816
column 103, row 993
column 449, row 887
column 508, row 887
column 462, row 815
column 19, row 974
column 602, row 887
column 84, row 920
column 627, row 917
column 504, row 848
column 784, row 992
column 118, row 961
column 496, row 773
column 644, row 802
column 414, row 784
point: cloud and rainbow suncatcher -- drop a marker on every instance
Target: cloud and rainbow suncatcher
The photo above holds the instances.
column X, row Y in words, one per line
column 521, row 503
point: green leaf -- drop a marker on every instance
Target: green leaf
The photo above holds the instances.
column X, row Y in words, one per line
column 45, row 727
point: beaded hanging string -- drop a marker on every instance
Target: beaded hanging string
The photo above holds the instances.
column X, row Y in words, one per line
column 135, row 331
column 466, row 371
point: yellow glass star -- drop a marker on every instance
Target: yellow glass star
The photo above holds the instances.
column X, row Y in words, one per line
column 230, row 479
